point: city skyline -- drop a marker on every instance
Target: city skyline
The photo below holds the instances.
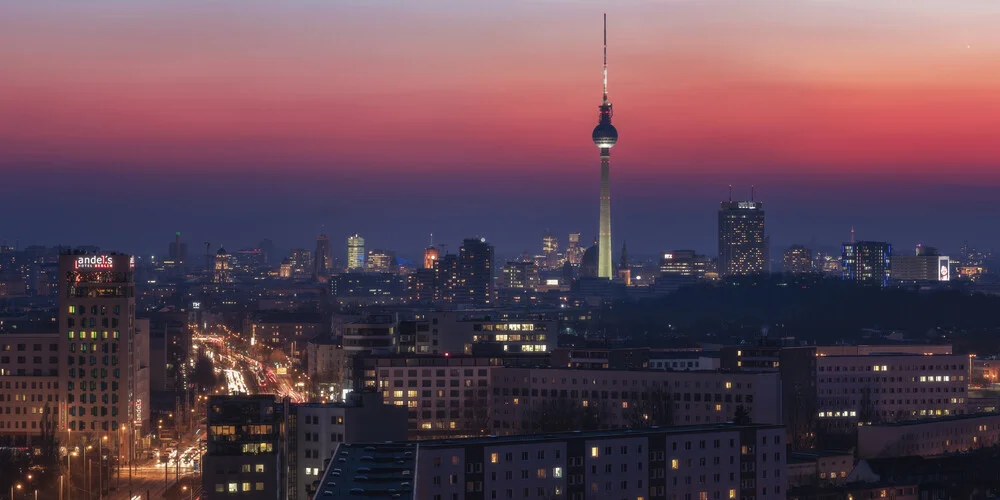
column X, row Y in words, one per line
column 843, row 114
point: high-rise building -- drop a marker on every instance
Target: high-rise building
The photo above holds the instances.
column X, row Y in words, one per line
column 742, row 241
column 355, row 253
column 244, row 448
column 222, row 271
column 324, row 257
column 574, row 252
column 797, row 259
column 381, row 261
column 519, row 275
column 475, row 272
column 550, row 251
column 97, row 340
column 926, row 265
column 605, row 136
column 300, row 260
column 446, row 281
column 177, row 251
column 431, row 254
column 867, row 262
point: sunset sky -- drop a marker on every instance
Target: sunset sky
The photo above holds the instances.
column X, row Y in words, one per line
column 232, row 121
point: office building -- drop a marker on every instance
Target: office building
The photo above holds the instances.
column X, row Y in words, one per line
column 550, row 251
column 244, row 456
column 301, row 261
column 926, row 264
column 355, row 253
column 742, row 241
column 867, row 262
column 519, row 275
column 605, row 136
column 797, row 259
column 475, row 273
column 324, row 256
column 689, row 462
column 381, row 261
column 177, row 252
column 456, row 332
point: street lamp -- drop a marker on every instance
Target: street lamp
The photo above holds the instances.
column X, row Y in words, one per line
column 12, row 490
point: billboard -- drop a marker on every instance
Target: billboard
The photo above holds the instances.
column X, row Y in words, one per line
column 943, row 269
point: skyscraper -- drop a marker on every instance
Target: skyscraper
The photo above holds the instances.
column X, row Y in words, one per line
column 475, row 272
column 97, row 343
column 324, row 257
column 355, row 253
column 867, row 262
column 550, row 250
column 605, row 136
column 742, row 241
column 177, row 252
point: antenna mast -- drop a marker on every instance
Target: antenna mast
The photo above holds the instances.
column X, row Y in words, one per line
column 605, row 57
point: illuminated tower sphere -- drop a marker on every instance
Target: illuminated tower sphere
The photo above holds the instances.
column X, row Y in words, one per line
column 605, row 136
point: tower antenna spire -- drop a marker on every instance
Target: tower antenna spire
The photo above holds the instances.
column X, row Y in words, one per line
column 852, row 234
column 605, row 57
column 753, row 191
column 730, row 193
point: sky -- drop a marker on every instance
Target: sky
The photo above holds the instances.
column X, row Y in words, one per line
column 124, row 121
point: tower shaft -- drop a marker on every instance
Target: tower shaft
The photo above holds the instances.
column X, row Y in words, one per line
column 604, row 242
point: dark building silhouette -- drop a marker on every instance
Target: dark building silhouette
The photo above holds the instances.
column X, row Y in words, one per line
column 475, row 272
column 867, row 262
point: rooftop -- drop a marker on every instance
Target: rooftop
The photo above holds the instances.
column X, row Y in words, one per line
column 600, row 434
column 384, row 470
column 936, row 420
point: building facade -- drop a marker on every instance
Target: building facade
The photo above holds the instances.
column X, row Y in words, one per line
column 742, row 241
column 355, row 253
column 475, row 273
column 867, row 262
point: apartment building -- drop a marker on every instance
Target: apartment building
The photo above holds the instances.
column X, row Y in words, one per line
column 316, row 429
column 443, row 395
column 29, row 384
column 683, row 463
column 456, row 332
column 889, row 387
column 621, row 397
column 929, row 437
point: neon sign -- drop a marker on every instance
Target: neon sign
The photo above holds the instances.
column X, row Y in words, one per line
column 95, row 262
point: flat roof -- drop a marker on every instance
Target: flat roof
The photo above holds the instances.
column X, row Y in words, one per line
column 384, row 470
column 926, row 421
column 610, row 433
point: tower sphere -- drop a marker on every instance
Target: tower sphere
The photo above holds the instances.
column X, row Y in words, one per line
column 605, row 134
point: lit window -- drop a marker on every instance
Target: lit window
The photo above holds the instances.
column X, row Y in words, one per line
column 233, row 487
column 557, row 472
column 259, row 486
column 593, row 451
column 732, row 493
column 729, row 385
column 674, row 464
column 494, row 457
column 246, row 486
column 259, row 468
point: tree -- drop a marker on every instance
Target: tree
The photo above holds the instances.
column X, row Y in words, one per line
column 741, row 416
column 204, row 373
column 654, row 409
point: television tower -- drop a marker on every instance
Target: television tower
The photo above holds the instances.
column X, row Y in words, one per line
column 605, row 136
